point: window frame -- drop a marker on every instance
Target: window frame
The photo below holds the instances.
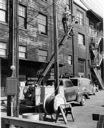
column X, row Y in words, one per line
column 42, row 57
column 80, row 39
column 81, row 62
column 22, row 51
column 46, row 26
column 92, row 29
column 4, row 49
column 25, row 18
column 80, row 20
column 70, row 59
column 5, row 11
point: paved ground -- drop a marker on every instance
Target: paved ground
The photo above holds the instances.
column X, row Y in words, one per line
column 83, row 114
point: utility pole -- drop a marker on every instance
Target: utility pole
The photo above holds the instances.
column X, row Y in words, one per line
column 102, row 68
column 56, row 62
column 0, row 72
column 13, row 59
column 71, row 3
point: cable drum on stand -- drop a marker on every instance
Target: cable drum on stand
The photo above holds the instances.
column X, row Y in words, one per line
column 51, row 103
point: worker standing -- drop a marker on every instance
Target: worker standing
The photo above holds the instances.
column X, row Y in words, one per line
column 65, row 18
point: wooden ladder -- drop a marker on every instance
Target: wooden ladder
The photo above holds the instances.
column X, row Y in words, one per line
column 64, row 110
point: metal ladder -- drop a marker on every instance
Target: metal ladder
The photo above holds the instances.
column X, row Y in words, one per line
column 98, row 64
column 99, row 78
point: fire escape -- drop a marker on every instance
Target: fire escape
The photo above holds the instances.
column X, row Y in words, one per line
column 96, row 57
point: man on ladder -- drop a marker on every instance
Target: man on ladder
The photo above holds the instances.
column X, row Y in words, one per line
column 65, row 19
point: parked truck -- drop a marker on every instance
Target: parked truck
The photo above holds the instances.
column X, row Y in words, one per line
column 71, row 92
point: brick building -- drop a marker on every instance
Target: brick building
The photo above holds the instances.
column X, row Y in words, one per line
column 36, row 39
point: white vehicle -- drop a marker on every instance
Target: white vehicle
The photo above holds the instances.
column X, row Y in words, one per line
column 71, row 92
column 84, row 84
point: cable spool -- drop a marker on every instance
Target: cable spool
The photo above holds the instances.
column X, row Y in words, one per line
column 51, row 103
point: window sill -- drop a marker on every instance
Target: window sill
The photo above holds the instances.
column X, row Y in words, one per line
column 82, row 46
column 21, row 58
column 4, row 23
column 44, row 35
column 3, row 56
column 25, row 29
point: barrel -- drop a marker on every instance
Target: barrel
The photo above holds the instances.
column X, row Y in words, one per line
column 51, row 103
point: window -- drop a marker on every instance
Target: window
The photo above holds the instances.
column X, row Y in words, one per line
column 81, row 39
column 63, row 3
column 3, row 49
column 22, row 52
column 22, row 16
column 80, row 17
column 3, row 10
column 75, row 82
column 61, row 83
column 81, row 66
column 92, row 30
column 70, row 59
column 44, row 0
column 42, row 23
column 68, row 83
column 42, row 55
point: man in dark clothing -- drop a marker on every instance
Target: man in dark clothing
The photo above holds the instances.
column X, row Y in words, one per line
column 65, row 17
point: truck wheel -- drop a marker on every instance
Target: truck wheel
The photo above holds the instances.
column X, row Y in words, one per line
column 83, row 99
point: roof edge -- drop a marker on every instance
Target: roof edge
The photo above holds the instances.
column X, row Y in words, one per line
column 80, row 4
column 95, row 14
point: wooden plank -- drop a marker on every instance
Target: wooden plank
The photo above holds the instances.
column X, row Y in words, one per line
column 20, row 122
column 63, row 114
